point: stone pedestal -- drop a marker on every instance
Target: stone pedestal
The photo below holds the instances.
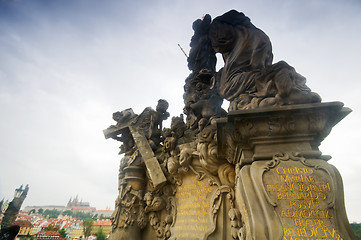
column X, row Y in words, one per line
column 285, row 189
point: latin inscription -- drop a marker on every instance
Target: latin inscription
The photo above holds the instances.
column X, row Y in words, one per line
column 193, row 209
column 302, row 196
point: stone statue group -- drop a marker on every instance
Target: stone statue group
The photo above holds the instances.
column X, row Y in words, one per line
column 155, row 159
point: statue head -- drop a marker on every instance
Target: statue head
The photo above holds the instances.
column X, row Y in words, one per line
column 124, row 116
column 201, row 26
column 148, row 197
column 223, row 30
column 169, row 144
column 162, row 106
column 234, row 18
column 178, row 126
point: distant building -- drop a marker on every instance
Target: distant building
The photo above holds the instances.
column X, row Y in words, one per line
column 25, row 227
column 75, row 231
column 106, row 213
column 79, row 206
column 23, row 216
column 73, row 204
column 83, row 209
column 105, row 224
column 76, row 203
column 38, row 225
column 48, row 235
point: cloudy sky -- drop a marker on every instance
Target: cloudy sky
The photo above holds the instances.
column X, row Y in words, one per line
column 66, row 66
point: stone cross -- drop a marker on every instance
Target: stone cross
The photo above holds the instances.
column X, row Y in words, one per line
column 155, row 172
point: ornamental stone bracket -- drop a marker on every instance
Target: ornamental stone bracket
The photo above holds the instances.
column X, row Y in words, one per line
column 249, row 135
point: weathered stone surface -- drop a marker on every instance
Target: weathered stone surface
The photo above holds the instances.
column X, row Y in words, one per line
column 285, row 189
column 155, row 172
column 304, row 198
column 193, row 209
column 254, row 173
column 249, row 79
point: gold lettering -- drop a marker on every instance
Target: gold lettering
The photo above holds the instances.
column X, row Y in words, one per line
column 270, row 187
column 280, row 170
column 311, row 232
column 303, row 204
column 193, row 209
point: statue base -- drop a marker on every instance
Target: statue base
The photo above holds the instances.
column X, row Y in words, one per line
column 256, row 174
column 285, row 189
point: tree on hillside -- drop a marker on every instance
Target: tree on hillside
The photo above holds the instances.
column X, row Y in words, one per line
column 40, row 211
column 62, row 233
column 68, row 213
column 100, row 234
column 356, row 227
column 51, row 213
column 50, row 227
column 87, row 227
column 102, row 217
column 82, row 216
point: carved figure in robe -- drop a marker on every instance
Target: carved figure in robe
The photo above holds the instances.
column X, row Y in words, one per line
column 201, row 55
column 200, row 99
column 248, row 78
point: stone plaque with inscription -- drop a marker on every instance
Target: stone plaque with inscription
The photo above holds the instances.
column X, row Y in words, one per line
column 303, row 196
column 285, row 188
column 193, row 209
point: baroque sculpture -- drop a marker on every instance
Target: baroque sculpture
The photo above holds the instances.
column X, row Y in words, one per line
column 254, row 172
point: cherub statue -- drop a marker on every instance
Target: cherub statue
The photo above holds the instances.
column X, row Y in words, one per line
column 154, row 203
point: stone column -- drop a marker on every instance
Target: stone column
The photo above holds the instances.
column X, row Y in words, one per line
column 128, row 217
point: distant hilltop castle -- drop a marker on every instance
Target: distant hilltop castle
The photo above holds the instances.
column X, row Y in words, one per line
column 79, row 206
column 75, row 203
